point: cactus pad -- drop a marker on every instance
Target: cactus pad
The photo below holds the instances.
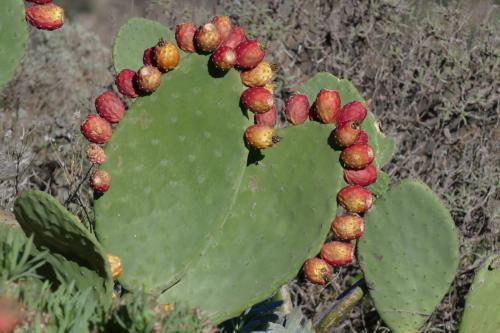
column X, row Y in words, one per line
column 175, row 161
column 409, row 255
column 482, row 304
column 13, row 37
column 133, row 38
column 74, row 252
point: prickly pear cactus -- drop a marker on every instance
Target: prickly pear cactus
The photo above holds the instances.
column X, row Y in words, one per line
column 483, row 302
column 190, row 212
column 409, row 255
column 75, row 255
column 13, row 37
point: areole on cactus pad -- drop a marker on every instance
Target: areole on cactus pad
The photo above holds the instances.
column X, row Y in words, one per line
column 190, row 212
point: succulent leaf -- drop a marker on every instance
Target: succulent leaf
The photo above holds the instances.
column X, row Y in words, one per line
column 409, row 254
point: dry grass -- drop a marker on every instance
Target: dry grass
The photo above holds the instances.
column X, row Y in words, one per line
column 432, row 77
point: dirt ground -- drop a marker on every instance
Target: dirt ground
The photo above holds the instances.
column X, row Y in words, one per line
column 430, row 70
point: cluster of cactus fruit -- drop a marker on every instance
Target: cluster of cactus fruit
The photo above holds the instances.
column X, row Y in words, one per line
column 203, row 232
column 45, row 15
column 228, row 46
column 357, row 159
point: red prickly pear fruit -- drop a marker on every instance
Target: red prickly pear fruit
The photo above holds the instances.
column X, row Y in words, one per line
column 258, row 76
column 318, row 271
column 257, row 99
column 166, row 56
column 353, row 111
column 148, row 57
column 362, row 138
column 223, row 25
column 100, row 181
column 357, row 156
column 363, row 177
column 347, row 133
column 45, row 17
column 267, row 118
column 126, row 83
column 224, row 58
column 11, row 314
column 327, row 106
column 248, row 54
column 235, row 38
column 337, row 253
column 355, row 199
column 96, row 129
column 96, row 154
column 207, row 38
column 260, row 136
column 148, row 79
column 348, row 227
column 39, row 2
column 297, row 109
column 110, row 107
column 184, row 35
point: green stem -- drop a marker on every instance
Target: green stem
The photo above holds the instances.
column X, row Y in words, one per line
column 343, row 305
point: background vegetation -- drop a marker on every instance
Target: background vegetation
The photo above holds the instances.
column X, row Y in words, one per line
column 430, row 70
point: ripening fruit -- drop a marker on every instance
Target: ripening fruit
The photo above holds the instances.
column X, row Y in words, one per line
column 116, row 266
column 248, row 54
column 126, row 82
column 297, row 109
column 347, row 133
column 39, row 2
column 96, row 129
column 270, row 87
column 95, row 154
column 337, row 253
column 348, row 227
column 267, row 118
column 363, row 177
column 327, row 106
column 362, row 138
column 148, row 57
column 318, row 271
column 184, row 36
column 357, row 156
column 353, row 111
column 224, row 58
column 100, row 181
column 110, row 107
column 11, row 314
column 258, row 76
column 355, row 199
column 166, row 56
column 235, row 38
column 45, row 17
column 207, row 38
column 257, row 99
column 260, row 136
column 148, row 79
column 223, row 25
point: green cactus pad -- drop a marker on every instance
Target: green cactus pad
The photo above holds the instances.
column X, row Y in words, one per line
column 75, row 254
column 381, row 185
column 13, row 37
column 175, row 161
column 482, row 304
column 133, row 38
column 280, row 218
column 382, row 145
column 409, row 255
